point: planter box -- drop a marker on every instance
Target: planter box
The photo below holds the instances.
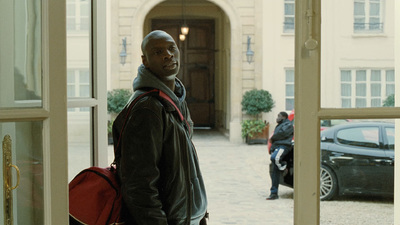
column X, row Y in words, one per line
column 261, row 138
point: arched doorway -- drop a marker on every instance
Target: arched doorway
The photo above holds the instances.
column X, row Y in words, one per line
column 197, row 65
column 227, row 49
column 205, row 57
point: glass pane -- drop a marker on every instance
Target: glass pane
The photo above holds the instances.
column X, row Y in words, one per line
column 78, row 49
column 290, row 90
column 361, row 102
column 289, row 75
column 289, row 9
column 26, row 153
column 355, row 70
column 70, row 90
column 84, row 90
column 346, row 75
column 361, row 90
column 85, row 10
column 289, row 104
column 79, row 140
column 80, row 86
column 357, row 171
column 20, row 64
column 389, row 89
column 375, row 75
column 390, row 75
column 374, row 9
column 376, row 102
column 346, row 89
column 359, row 9
column 346, row 103
column 376, row 90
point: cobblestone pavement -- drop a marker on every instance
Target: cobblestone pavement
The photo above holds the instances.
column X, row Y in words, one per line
column 237, row 182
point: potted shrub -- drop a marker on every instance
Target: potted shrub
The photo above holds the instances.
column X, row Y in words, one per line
column 116, row 101
column 254, row 103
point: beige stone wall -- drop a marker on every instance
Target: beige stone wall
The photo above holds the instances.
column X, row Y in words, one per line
column 262, row 21
column 235, row 21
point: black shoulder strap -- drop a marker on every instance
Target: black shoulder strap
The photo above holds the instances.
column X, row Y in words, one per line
column 156, row 92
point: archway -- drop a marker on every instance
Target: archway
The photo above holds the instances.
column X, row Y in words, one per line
column 228, row 79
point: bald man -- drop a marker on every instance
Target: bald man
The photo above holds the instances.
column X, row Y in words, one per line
column 161, row 181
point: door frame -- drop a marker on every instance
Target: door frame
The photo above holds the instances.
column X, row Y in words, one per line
column 309, row 113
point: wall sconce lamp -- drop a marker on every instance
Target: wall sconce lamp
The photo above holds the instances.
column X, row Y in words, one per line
column 249, row 53
column 122, row 54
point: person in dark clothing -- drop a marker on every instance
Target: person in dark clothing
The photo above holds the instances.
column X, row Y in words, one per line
column 161, row 181
column 281, row 142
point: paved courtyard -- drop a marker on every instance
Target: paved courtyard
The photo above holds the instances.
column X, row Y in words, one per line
column 237, row 182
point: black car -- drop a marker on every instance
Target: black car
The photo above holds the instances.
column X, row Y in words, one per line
column 356, row 158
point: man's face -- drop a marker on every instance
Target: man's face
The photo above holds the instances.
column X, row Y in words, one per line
column 161, row 56
column 280, row 118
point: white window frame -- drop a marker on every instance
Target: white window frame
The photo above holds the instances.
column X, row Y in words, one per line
column 79, row 15
column 288, row 27
column 77, row 84
column 289, row 84
column 367, row 27
column 97, row 100
column 309, row 113
column 368, row 82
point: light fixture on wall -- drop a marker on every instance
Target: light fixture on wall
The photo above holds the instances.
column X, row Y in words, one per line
column 184, row 27
column 122, row 54
column 249, row 53
column 182, row 37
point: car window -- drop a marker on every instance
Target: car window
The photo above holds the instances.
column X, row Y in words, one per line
column 359, row 136
column 325, row 123
column 390, row 137
column 337, row 122
column 331, row 123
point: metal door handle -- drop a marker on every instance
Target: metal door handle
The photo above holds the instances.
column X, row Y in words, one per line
column 7, row 181
column 18, row 176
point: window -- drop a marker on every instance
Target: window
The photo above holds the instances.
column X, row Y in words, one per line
column 288, row 24
column 368, row 16
column 390, row 137
column 289, row 90
column 366, row 87
column 78, row 15
column 78, row 83
column 360, row 136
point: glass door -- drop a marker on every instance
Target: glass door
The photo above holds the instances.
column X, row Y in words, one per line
column 33, row 113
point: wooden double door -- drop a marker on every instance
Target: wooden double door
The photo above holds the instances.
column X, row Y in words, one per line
column 197, row 66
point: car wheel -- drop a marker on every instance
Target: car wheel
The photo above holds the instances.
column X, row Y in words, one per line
column 328, row 183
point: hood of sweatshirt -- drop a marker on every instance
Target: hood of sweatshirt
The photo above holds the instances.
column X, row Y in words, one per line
column 146, row 79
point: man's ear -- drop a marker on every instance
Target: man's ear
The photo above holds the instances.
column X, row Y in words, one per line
column 144, row 61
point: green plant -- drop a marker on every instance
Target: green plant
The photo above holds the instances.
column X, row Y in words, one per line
column 109, row 126
column 252, row 127
column 389, row 101
column 117, row 99
column 255, row 102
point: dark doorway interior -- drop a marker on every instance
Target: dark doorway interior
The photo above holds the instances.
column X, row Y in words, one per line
column 197, row 66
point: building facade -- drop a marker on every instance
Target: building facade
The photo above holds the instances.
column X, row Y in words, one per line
column 357, row 65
